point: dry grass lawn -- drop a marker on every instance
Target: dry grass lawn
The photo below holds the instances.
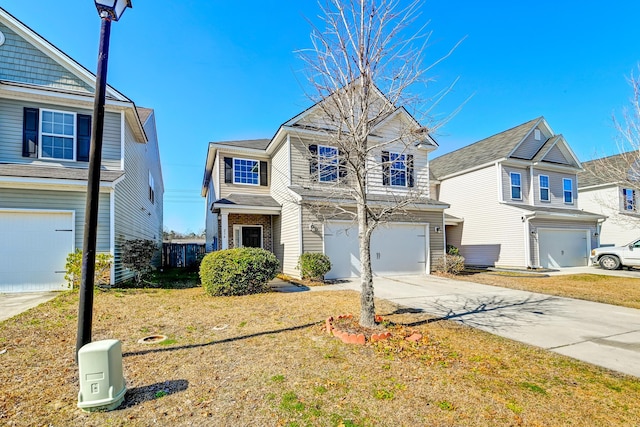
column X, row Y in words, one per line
column 620, row 291
column 264, row 360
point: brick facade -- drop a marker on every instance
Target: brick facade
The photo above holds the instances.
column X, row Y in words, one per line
column 250, row 219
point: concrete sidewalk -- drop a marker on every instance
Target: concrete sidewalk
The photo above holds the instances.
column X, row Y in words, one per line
column 601, row 334
column 15, row 303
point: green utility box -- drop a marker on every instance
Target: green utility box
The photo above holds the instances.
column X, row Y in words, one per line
column 102, row 385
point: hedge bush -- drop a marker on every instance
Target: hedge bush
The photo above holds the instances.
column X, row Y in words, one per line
column 73, row 269
column 452, row 264
column 239, row 271
column 313, row 265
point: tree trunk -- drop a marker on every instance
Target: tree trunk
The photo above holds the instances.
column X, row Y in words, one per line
column 367, row 306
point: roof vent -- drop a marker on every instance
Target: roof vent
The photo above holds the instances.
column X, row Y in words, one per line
column 536, row 134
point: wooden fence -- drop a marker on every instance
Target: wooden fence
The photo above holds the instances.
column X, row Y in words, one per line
column 182, row 254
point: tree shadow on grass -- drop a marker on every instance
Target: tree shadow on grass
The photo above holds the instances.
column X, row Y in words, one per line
column 147, row 393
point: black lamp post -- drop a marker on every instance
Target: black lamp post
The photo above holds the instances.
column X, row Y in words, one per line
column 109, row 10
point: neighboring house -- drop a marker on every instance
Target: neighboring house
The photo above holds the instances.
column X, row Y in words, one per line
column 515, row 201
column 283, row 194
column 615, row 199
column 46, row 104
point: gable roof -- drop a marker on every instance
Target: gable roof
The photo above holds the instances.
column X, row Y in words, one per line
column 256, row 144
column 490, row 149
column 616, row 164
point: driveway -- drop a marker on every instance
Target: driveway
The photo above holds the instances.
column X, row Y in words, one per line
column 601, row 334
column 633, row 273
column 16, row 303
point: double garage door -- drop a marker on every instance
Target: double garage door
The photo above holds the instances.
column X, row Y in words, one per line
column 396, row 249
column 563, row 248
column 34, row 249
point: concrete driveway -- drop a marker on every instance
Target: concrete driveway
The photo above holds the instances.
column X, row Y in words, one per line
column 601, row 334
column 16, row 303
column 633, row 273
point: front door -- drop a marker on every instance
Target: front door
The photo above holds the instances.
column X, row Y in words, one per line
column 252, row 237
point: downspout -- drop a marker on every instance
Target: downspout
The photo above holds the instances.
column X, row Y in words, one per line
column 500, row 188
column 527, row 240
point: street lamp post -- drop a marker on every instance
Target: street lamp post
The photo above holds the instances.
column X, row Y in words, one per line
column 109, row 10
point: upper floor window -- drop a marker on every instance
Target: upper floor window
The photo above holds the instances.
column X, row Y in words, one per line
column 629, row 199
column 57, row 135
column 567, row 186
column 544, row 188
column 397, row 169
column 327, row 163
column 245, row 171
column 516, row 186
column 152, row 189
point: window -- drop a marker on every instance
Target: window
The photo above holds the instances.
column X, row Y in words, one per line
column 327, row 163
column 59, row 135
column 152, row 187
column 544, row 188
column 246, row 171
column 629, row 199
column 516, row 186
column 567, row 186
column 398, row 169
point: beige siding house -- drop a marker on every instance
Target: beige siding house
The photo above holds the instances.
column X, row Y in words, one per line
column 46, row 103
column 514, row 200
column 290, row 195
column 617, row 200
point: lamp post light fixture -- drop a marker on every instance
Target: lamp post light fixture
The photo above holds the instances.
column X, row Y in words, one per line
column 109, row 10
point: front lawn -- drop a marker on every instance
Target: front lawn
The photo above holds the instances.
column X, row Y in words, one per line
column 622, row 291
column 265, row 360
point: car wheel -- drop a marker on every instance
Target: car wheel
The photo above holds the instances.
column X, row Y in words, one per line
column 609, row 262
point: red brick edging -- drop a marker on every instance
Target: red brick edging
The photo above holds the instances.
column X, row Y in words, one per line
column 348, row 338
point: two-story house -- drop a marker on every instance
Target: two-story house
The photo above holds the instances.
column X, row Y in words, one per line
column 616, row 197
column 289, row 194
column 46, row 104
column 515, row 198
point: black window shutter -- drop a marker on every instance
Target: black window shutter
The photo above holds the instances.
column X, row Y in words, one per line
column 263, row 174
column 385, row 168
column 313, row 162
column 30, row 132
column 228, row 170
column 342, row 164
column 410, row 181
column 83, row 142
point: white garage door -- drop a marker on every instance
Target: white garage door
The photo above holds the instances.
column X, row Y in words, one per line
column 396, row 249
column 34, row 250
column 563, row 248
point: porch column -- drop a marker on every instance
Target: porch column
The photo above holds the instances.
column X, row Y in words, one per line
column 224, row 224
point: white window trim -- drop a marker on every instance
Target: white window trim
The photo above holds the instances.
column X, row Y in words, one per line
column 564, row 191
column 152, row 189
column 511, row 186
column 548, row 199
column 237, row 229
column 41, row 134
column 328, row 164
column 405, row 170
column 233, row 171
column 633, row 203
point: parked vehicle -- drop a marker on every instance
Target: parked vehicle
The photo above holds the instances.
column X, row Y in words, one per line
column 614, row 257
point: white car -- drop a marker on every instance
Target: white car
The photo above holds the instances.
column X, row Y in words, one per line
column 614, row 257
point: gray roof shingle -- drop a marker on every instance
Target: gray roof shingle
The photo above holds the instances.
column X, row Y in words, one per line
column 492, row 148
column 32, row 171
column 419, row 203
column 616, row 165
column 248, row 200
column 257, row 144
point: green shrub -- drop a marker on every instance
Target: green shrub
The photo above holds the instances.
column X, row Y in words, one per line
column 313, row 265
column 73, row 269
column 137, row 255
column 452, row 250
column 239, row 271
column 452, row 264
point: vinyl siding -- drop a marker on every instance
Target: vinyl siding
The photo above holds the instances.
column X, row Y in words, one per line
column 420, row 172
column 226, row 189
column 506, row 184
column 555, row 155
column 13, row 198
column 619, row 229
column 556, row 191
column 530, row 146
column 560, row 225
column 491, row 234
column 135, row 216
column 211, row 219
column 23, row 63
column 11, row 117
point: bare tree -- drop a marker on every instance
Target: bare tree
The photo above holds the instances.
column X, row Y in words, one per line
column 366, row 56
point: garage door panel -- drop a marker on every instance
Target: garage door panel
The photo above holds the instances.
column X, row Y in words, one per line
column 395, row 249
column 563, row 248
column 36, row 255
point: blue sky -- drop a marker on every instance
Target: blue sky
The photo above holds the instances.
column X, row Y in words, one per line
column 220, row 70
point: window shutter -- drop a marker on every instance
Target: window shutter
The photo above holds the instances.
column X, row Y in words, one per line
column 30, row 132
column 263, row 174
column 342, row 165
column 410, row 181
column 385, row 168
column 83, row 143
column 228, row 170
column 313, row 162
